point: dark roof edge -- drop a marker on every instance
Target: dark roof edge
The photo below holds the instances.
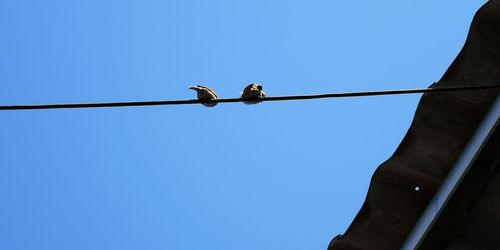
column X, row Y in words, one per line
column 454, row 178
column 444, row 123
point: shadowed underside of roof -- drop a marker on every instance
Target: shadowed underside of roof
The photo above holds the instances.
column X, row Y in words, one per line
column 442, row 126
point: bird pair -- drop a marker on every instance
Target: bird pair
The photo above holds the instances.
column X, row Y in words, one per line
column 250, row 94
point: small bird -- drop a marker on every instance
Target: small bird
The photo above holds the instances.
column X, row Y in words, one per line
column 205, row 93
column 253, row 92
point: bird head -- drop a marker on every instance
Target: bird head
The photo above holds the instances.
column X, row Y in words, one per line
column 252, row 90
column 196, row 88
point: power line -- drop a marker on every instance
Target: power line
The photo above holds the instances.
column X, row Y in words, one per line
column 232, row 100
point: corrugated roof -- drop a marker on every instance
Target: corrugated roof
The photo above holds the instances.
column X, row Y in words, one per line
column 442, row 127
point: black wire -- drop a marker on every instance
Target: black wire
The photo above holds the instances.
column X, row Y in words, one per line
column 265, row 99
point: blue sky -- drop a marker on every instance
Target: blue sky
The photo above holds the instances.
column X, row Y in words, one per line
column 284, row 175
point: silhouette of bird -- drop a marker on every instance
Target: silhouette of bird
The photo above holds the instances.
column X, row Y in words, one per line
column 205, row 93
column 253, row 92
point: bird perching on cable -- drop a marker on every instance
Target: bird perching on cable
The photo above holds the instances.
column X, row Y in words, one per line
column 252, row 93
column 205, row 94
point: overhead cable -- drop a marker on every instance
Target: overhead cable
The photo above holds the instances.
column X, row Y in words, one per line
column 263, row 99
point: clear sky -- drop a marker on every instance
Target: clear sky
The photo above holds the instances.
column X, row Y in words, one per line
column 281, row 175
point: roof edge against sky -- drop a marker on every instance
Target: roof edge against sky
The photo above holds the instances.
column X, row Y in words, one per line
column 454, row 178
column 444, row 123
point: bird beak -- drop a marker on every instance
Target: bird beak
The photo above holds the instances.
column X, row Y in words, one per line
column 193, row 88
